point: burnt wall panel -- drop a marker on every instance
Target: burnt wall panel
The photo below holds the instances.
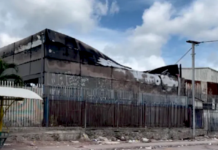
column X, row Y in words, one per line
column 125, row 85
column 60, row 51
column 35, row 67
column 72, row 81
column 37, row 39
column 22, row 57
column 62, row 67
column 119, row 74
column 61, row 79
column 87, row 54
column 7, row 51
column 95, row 71
column 132, row 75
column 24, row 69
column 149, row 88
column 71, row 43
column 103, row 83
column 23, row 45
column 56, row 36
column 88, row 82
column 9, row 59
column 36, row 53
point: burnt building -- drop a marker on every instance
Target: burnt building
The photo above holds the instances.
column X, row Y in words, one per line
column 55, row 59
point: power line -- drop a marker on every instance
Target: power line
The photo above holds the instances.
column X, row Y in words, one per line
column 209, row 41
column 184, row 55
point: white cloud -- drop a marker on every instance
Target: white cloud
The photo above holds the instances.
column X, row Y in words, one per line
column 114, row 7
column 31, row 16
column 5, row 39
column 102, row 8
column 198, row 21
column 139, row 48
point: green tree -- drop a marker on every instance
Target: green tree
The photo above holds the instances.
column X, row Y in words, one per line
column 4, row 76
column 4, row 66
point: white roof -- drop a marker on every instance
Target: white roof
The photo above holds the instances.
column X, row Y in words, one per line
column 201, row 74
column 18, row 93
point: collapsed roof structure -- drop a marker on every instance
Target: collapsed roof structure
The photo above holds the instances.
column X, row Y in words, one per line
column 56, row 59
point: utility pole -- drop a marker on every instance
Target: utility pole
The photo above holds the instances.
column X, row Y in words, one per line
column 42, row 58
column 193, row 83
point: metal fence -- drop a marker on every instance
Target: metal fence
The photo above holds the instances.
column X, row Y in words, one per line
column 103, row 107
column 96, row 108
column 211, row 120
column 24, row 113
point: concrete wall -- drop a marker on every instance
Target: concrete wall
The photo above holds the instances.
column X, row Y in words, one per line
column 65, row 73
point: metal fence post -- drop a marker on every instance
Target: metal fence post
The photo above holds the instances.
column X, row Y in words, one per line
column 118, row 114
column 85, row 115
column 141, row 103
column 47, row 112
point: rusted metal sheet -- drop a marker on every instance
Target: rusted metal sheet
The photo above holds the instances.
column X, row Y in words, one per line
column 111, row 113
column 66, row 67
column 212, row 88
column 96, row 71
column 198, row 88
column 204, row 90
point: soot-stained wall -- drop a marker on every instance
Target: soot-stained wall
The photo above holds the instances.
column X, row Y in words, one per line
column 65, row 61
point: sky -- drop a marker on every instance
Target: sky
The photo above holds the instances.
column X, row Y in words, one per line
column 141, row 34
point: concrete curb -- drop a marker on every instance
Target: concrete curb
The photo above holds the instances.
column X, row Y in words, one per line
column 72, row 134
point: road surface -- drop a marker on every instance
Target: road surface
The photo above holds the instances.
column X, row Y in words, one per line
column 191, row 148
column 179, row 145
column 202, row 147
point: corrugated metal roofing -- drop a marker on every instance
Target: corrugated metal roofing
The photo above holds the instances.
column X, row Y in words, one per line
column 18, row 93
column 205, row 74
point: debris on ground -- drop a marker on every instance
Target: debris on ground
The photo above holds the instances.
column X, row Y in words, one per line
column 145, row 140
column 84, row 137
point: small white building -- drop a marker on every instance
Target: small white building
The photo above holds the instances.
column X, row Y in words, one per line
column 204, row 74
column 206, row 81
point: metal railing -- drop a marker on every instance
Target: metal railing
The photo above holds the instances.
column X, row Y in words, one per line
column 97, row 108
column 103, row 107
column 24, row 113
